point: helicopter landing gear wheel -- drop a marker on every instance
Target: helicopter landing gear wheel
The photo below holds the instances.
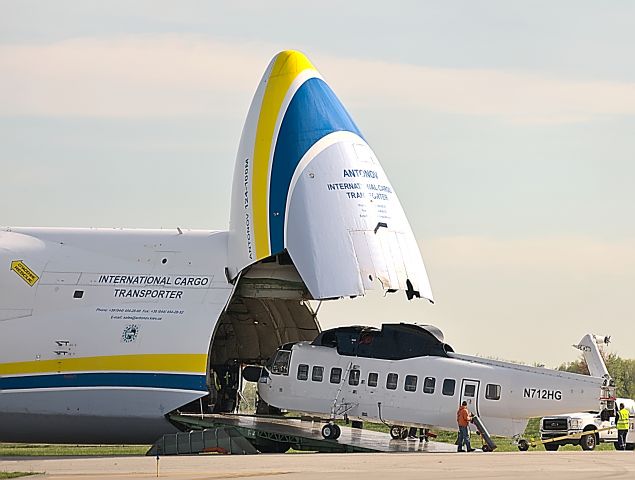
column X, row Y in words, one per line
column 398, row 433
column 331, row 431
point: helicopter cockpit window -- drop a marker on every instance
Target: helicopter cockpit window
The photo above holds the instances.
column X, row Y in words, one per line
column 280, row 365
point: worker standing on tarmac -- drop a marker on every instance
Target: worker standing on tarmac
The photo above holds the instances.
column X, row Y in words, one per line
column 463, row 418
column 622, row 426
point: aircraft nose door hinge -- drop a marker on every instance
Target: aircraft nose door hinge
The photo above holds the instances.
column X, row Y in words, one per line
column 410, row 291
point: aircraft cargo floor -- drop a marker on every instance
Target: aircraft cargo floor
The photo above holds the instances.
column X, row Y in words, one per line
column 301, row 434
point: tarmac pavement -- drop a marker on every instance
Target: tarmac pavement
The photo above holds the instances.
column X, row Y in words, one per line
column 311, row 466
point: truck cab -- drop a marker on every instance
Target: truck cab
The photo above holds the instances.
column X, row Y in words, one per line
column 572, row 425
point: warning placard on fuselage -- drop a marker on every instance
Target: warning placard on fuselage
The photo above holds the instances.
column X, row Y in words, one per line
column 24, row 272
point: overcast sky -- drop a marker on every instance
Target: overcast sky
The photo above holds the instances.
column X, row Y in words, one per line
column 506, row 127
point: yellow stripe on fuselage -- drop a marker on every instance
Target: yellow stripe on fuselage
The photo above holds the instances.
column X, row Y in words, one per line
column 288, row 65
column 160, row 362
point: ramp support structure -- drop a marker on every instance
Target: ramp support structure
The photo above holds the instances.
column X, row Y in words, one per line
column 226, row 440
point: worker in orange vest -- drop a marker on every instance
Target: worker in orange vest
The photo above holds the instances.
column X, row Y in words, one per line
column 463, row 418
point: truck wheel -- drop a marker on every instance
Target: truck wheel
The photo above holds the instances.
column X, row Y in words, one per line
column 523, row 445
column 551, row 447
column 588, row 442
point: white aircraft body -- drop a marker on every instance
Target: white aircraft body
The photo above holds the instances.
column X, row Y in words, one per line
column 105, row 331
column 406, row 375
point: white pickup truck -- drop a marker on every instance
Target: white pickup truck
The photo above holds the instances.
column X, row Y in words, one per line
column 575, row 423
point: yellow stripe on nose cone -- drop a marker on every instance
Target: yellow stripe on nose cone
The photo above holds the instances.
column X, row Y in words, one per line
column 162, row 362
column 287, row 66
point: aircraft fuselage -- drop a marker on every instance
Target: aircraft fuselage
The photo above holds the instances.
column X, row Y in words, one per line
column 116, row 326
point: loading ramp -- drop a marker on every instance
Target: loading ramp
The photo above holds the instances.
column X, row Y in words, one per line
column 278, row 434
column 225, row 440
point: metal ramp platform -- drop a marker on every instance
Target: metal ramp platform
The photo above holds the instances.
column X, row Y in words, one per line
column 277, row 435
column 225, row 440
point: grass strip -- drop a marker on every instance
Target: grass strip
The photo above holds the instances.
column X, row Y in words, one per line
column 45, row 450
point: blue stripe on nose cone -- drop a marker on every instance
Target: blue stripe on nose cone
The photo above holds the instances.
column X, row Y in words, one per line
column 120, row 379
column 313, row 113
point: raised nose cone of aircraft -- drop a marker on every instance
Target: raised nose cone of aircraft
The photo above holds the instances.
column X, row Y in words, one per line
column 306, row 182
column 290, row 63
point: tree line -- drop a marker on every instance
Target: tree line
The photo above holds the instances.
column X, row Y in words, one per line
column 621, row 369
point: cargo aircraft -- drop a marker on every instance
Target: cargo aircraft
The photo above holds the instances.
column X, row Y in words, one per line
column 406, row 375
column 103, row 332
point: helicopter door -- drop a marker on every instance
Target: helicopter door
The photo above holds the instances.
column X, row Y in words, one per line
column 469, row 393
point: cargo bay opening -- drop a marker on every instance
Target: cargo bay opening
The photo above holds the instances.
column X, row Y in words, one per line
column 269, row 307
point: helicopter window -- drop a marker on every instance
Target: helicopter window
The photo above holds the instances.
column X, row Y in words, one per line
column 280, row 364
column 372, row 379
column 492, row 391
column 469, row 390
column 303, row 372
column 353, row 377
column 410, row 385
column 336, row 375
column 428, row 384
column 391, row 381
column 448, row 386
column 317, row 374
